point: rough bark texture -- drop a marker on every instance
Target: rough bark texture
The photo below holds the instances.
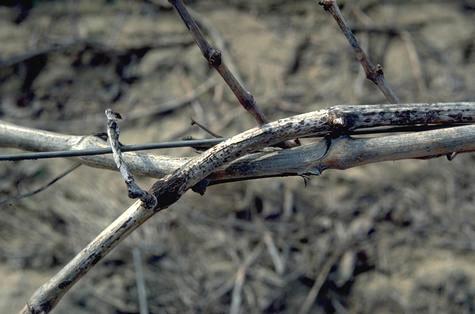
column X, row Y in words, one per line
column 342, row 153
column 343, row 117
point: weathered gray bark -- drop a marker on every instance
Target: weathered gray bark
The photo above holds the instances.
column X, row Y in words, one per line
column 341, row 153
column 286, row 162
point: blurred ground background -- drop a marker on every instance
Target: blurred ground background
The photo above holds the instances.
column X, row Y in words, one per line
column 388, row 238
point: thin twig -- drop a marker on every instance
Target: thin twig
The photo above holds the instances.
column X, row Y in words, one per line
column 297, row 55
column 42, row 188
column 373, row 72
column 140, row 281
column 415, row 61
column 204, row 128
column 173, row 104
column 320, row 280
column 236, row 295
column 149, row 108
column 72, row 43
column 134, row 190
column 214, row 58
column 274, row 253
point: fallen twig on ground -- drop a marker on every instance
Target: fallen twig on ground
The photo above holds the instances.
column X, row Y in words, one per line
column 140, row 281
column 42, row 188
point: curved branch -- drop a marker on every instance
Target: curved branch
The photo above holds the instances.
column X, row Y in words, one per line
column 134, row 190
column 342, row 153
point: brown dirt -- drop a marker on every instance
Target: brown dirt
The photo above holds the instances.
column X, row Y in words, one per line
column 412, row 223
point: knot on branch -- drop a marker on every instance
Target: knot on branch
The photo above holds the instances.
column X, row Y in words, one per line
column 200, row 187
column 213, row 56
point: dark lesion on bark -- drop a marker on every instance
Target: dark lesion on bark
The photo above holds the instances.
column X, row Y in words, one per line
column 167, row 191
column 45, row 307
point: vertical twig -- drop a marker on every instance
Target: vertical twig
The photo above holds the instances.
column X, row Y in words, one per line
column 133, row 188
column 414, row 60
column 236, row 298
column 374, row 73
column 140, row 280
